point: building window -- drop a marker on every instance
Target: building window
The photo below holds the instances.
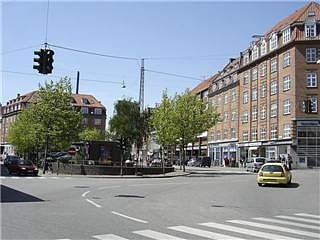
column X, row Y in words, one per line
column 286, row 107
column 263, row 112
column 273, row 132
column 218, row 135
column 234, row 116
column 263, row 133
column 286, row 35
column 273, row 65
column 84, row 110
column 245, row 136
column 263, row 91
column 286, row 131
column 286, row 59
column 85, row 101
column 254, row 114
column 97, row 111
column 245, row 117
column 254, row 94
column 245, row 77
column 225, row 134
column 226, row 98
column 273, row 109
column 273, row 42
column 310, row 29
column 311, row 54
column 254, row 74
column 286, row 83
column 311, row 79
column 233, row 133
column 273, row 88
column 246, row 58
column 233, row 95
column 226, row 116
column 84, row 121
column 245, row 97
column 263, row 69
column 254, row 54
column 254, row 134
column 263, row 47
column 97, row 121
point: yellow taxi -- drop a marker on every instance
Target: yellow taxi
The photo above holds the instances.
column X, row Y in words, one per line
column 274, row 173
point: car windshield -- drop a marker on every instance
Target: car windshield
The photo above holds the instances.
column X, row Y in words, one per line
column 272, row 168
column 24, row 162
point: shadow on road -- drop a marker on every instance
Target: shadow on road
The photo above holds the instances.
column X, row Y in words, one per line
column 291, row 185
column 11, row 195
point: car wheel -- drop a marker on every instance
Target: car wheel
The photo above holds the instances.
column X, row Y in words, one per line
column 260, row 184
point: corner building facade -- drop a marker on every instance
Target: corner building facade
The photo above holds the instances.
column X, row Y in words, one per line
column 278, row 78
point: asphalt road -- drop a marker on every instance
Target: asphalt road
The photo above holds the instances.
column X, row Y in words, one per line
column 198, row 206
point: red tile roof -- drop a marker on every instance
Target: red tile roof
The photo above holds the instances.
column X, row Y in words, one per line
column 204, row 85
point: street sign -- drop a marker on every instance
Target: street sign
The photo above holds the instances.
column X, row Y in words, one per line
column 72, row 151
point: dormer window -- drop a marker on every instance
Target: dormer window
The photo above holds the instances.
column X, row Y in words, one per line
column 255, row 53
column 246, row 58
column 85, row 101
column 273, row 42
column 310, row 29
column 263, row 47
column 286, row 35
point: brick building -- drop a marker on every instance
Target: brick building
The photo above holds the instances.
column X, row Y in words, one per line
column 93, row 112
column 268, row 98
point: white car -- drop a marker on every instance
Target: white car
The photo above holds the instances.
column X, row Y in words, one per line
column 255, row 163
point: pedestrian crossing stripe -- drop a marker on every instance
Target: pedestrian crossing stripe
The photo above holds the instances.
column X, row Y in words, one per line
column 299, row 219
column 203, row 233
column 246, row 231
column 277, row 228
column 231, row 228
column 271, row 220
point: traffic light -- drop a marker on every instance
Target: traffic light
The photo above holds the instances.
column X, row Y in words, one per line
column 44, row 61
column 40, row 60
column 308, row 106
column 49, row 61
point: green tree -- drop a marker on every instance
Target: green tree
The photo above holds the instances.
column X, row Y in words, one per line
column 50, row 120
column 89, row 134
column 182, row 119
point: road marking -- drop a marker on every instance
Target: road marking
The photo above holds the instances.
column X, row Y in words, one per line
column 157, row 235
column 307, row 215
column 203, row 233
column 93, row 203
column 1, row 177
column 287, row 223
column 299, row 219
column 15, row 177
column 54, row 177
column 277, row 228
column 84, row 194
column 109, row 237
column 131, row 218
column 107, row 187
column 246, row 231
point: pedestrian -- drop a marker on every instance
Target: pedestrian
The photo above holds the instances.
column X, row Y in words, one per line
column 289, row 161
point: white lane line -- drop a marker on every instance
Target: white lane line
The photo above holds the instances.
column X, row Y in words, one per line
column 41, row 177
column 67, row 177
column 203, row 233
column 299, row 219
column 109, row 237
column 93, row 203
column 157, row 235
column 2, row 177
column 131, row 218
column 246, row 231
column 85, row 193
column 276, row 228
column 54, row 177
column 287, row 223
column 307, row 215
column 108, row 187
column 15, row 177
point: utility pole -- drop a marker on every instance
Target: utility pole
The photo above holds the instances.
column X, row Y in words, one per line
column 141, row 93
column 78, row 80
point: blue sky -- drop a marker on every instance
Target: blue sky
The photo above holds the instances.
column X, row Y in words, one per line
column 188, row 38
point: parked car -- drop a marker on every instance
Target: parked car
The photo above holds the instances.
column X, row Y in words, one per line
column 254, row 164
column 10, row 158
column 194, row 162
column 22, row 167
column 274, row 173
column 205, row 162
column 156, row 163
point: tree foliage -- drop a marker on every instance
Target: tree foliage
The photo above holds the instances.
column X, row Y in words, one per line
column 89, row 134
column 49, row 122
